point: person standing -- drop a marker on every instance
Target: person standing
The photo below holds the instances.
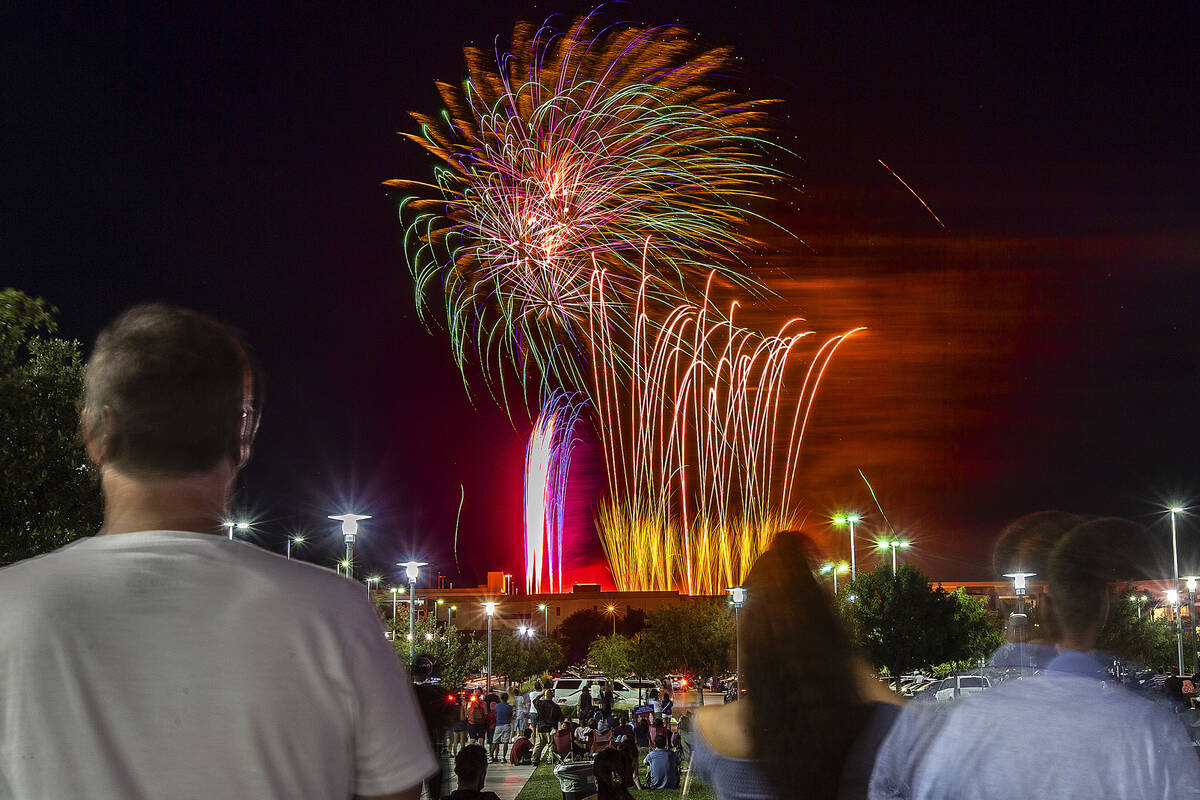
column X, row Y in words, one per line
column 522, row 711
column 585, row 701
column 548, row 717
column 436, row 711
column 502, row 735
column 606, row 700
column 160, row 658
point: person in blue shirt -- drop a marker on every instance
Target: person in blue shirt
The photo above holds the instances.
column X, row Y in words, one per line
column 502, row 735
column 663, row 764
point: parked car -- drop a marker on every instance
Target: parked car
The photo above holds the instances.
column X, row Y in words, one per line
column 568, row 690
column 958, row 685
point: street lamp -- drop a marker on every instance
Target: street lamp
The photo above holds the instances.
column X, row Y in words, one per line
column 241, row 526
column 344, row 564
column 291, row 541
column 411, row 569
column 489, row 609
column 545, row 613
column 832, row 571
column 441, row 602
column 737, row 597
column 613, row 610
column 373, row 579
column 395, row 597
column 1191, row 587
column 1175, row 584
column 349, row 531
column 1138, row 598
column 449, row 611
column 894, row 544
column 849, row 519
column 1019, row 586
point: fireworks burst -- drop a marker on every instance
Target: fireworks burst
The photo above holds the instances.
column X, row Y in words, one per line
column 568, row 154
column 703, row 446
column 547, row 466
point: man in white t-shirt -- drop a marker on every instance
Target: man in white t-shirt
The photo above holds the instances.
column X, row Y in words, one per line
column 162, row 659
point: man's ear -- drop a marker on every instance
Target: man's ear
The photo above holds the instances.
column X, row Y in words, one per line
column 93, row 442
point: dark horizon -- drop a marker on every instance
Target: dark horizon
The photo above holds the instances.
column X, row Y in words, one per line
column 1041, row 351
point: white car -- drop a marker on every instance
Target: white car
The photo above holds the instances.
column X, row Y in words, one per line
column 957, row 685
column 568, row 690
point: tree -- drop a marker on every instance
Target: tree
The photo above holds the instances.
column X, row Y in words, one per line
column 694, row 637
column 48, row 491
column 984, row 629
column 1148, row 640
column 457, row 656
column 519, row 657
column 577, row 632
column 902, row 623
column 612, row 656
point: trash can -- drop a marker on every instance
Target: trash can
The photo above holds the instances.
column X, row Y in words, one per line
column 576, row 780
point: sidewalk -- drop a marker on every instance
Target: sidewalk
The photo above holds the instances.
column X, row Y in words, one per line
column 506, row 781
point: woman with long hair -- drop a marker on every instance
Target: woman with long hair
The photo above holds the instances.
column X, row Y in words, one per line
column 811, row 716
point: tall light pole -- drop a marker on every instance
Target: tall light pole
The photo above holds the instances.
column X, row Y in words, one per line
column 833, row 570
column 412, row 569
column 291, row 541
column 241, row 526
column 344, row 564
column 737, row 597
column 349, row 531
column 1019, row 586
column 613, row 611
column 1175, row 584
column 894, row 544
column 490, row 609
column 395, row 597
column 1173, row 601
column 1138, row 598
column 849, row 519
column 373, row 579
column 545, row 609
column 1191, row 587
column 440, row 601
column 449, row 611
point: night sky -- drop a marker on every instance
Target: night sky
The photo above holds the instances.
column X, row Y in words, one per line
column 1039, row 352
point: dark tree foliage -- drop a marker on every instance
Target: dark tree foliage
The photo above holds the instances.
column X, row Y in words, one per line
column 1147, row 640
column 48, row 492
column 902, row 623
column 577, row 632
column 519, row 657
column 694, row 637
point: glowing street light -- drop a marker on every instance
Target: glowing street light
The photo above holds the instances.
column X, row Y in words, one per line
column 1176, row 509
column 449, row 611
column 1019, row 586
column 1191, row 587
column 894, row 544
column 490, row 609
column 441, row 601
column 613, row 610
column 395, row 597
column 545, row 609
column 412, row 569
column 241, row 526
column 1138, row 598
column 373, row 579
column 344, row 564
column 832, row 570
column 349, row 531
column 849, row 519
column 291, row 541
column 737, row 597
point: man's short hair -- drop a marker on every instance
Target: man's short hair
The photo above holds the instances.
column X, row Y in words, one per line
column 504, row 697
column 1090, row 559
column 660, row 740
column 169, row 392
column 470, row 765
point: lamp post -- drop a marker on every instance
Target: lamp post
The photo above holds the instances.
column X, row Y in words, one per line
column 349, row 531
column 1191, row 587
column 1173, row 601
column 1019, row 586
column 489, row 609
column 291, row 541
column 241, row 526
column 395, row 597
column 737, row 596
column 894, row 544
column 452, row 609
column 613, row 611
column 440, row 601
column 373, row 579
column 1138, row 599
column 412, row 569
column 344, row 564
column 1175, row 584
column 832, row 571
column 545, row 609
column 849, row 519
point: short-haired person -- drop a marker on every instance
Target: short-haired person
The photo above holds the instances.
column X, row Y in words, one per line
column 663, row 765
column 522, row 748
column 477, row 719
column 502, row 733
column 548, row 717
column 161, row 659
column 610, row 770
column 470, row 767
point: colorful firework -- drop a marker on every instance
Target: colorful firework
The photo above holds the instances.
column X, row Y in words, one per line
column 547, row 467
column 573, row 152
column 702, row 439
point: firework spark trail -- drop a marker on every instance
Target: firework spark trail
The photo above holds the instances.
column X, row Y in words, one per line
column 914, row 194
column 461, row 499
column 573, row 149
column 691, row 435
column 547, row 468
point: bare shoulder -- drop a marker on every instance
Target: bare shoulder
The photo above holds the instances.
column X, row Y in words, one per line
column 726, row 729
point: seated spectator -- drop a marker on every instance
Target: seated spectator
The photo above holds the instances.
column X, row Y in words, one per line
column 641, row 734
column 623, row 728
column 663, row 764
column 583, row 737
column 610, row 770
column 522, row 748
column 470, row 765
column 629, row 749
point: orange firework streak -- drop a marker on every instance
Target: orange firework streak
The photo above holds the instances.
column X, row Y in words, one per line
column 701, row 466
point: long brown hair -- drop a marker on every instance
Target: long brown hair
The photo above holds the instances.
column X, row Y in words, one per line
column 806, row 708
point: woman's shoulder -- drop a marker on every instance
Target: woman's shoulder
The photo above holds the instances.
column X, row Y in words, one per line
column 726, row 729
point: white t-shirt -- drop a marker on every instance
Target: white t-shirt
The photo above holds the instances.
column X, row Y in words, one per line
column 184, row 665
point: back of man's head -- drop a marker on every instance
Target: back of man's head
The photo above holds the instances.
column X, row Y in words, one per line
column 1026, row 544
column 169, row 392
column 1084, row 565
column 504, row 697
column 470, row 765
column 660, row 741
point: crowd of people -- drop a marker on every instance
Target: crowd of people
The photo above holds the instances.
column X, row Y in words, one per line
column 159, row 658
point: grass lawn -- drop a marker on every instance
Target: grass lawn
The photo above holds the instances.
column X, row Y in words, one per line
column 543, row 785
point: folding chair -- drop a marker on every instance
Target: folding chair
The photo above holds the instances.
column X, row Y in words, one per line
column 560, row 745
